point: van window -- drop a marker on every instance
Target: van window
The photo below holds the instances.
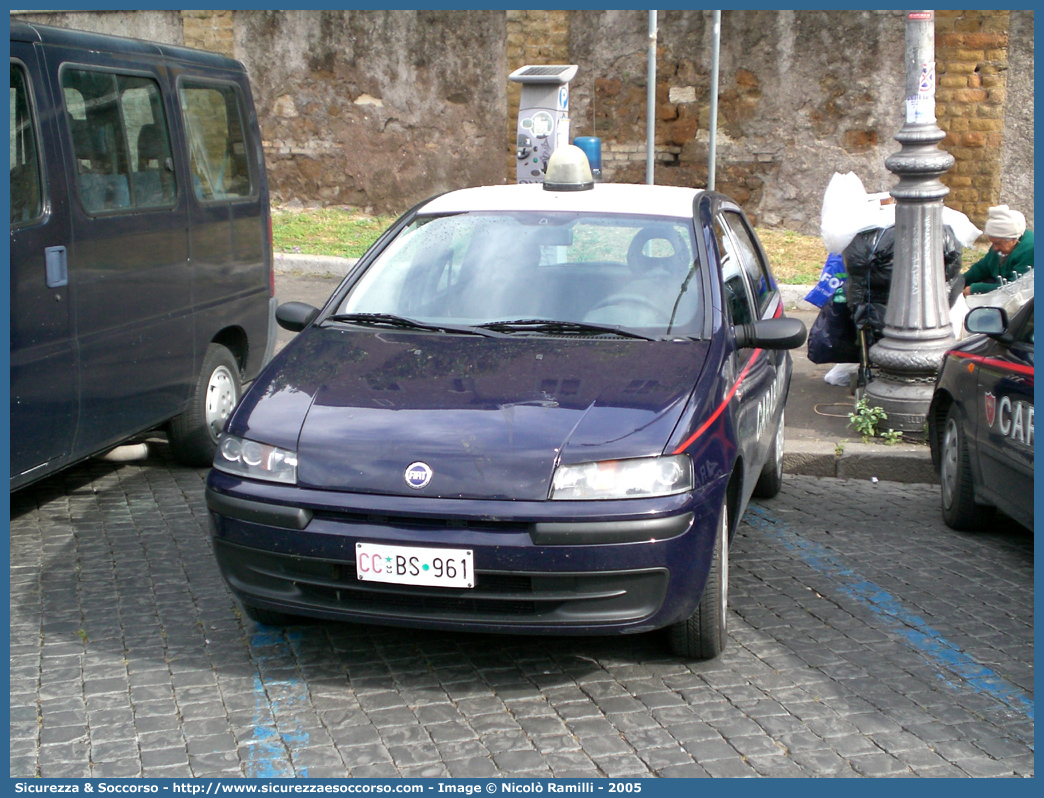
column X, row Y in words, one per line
column 120, row 141
column 217, row 149
column 26, row 196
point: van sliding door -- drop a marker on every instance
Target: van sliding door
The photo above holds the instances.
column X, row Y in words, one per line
column 128, row 262
column 43, row 352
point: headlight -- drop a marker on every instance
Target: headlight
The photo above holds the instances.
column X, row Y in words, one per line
column 255, row 460
column 623, row 479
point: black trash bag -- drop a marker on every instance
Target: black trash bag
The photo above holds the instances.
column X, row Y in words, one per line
column 833, row 338
column 869, row 316
column 868, row 262
column 952, row 252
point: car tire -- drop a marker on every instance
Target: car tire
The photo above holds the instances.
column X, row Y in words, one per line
column 267, row 617
column 959, row 508
column 194, row 434
column 705, row 633
column 771, row 480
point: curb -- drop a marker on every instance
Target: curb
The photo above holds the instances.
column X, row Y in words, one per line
column 312, row 265
column 794, row 297
column 901, row 463
column 868, row 461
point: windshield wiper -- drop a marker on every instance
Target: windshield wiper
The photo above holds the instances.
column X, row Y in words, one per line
column 560, row 327
column 401, row 323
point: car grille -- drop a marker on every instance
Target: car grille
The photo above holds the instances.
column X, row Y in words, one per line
column 329, row 588
column 423, row 522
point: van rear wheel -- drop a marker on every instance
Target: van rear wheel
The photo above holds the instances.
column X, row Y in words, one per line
column 194, row 434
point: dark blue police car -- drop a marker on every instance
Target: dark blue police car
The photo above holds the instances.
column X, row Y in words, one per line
column 980, row 421
column 529, row 409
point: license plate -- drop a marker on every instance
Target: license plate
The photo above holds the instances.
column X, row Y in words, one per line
column 413, row 565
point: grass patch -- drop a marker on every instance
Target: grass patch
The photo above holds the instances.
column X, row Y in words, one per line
column 796, row 259
column 340, row 232
column 971, row 255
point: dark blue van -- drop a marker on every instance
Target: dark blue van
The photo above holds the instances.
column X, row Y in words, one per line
column 142, row 293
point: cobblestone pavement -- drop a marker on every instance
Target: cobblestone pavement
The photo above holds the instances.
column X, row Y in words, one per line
column 866, row 639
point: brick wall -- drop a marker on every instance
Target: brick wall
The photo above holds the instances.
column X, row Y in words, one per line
column 210, row 30
column 971, row 55
column 831, row 109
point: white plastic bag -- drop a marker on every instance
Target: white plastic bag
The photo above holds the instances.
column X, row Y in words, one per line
column 848, row 209
column 962, row 226
column 958, row 311
column 841, row 374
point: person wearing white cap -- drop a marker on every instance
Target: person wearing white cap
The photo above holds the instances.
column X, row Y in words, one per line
column 1011, row 252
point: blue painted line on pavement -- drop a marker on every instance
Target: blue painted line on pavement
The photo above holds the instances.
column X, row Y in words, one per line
column 908, row 625
column 267, row 755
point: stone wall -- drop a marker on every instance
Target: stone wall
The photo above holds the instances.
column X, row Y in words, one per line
column 380, row 109
column 1017, row 162
column 801, row 95
column 377, row 109
column 804, row 94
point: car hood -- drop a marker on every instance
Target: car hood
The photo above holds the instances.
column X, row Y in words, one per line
column 490, row 416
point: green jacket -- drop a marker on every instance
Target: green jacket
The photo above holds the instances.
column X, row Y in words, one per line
column 986, row 273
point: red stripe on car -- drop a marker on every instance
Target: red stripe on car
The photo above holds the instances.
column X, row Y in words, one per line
column 732, row 391
column 1004, row 365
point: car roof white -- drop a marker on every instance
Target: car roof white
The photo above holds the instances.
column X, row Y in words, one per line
column 604, row 198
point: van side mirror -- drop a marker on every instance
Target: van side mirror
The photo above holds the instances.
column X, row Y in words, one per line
column 295, row 316
column 781, row 333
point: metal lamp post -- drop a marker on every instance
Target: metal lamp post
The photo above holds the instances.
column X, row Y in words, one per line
column 917, row 328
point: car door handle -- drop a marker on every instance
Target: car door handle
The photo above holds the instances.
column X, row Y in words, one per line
column 57, row 266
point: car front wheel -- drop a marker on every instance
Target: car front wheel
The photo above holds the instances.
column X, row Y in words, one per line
column 704, row 634
column 194, row 434
column 959, row 509
column 771, row 480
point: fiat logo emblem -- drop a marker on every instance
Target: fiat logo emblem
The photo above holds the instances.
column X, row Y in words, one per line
column 418, row 475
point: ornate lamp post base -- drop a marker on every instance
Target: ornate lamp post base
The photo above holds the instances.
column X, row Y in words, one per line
column 917, row 321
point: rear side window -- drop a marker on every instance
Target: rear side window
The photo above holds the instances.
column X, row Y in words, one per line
column 26, row 193
column 217, row 146
column 732, row 276
column 120, row 141
column 750, row 260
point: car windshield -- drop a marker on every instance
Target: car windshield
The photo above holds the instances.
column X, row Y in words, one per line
column 595, row 272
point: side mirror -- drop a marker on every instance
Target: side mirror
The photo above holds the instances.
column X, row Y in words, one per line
column 295, row 316
column 781, row 333
column 987, row 320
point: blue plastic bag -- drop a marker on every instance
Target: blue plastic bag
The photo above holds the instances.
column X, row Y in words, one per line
column 832, row 278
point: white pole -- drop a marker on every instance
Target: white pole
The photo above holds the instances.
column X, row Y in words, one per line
column 712, row 152
column 650, row 104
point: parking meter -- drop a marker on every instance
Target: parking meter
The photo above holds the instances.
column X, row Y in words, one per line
column 543, row 117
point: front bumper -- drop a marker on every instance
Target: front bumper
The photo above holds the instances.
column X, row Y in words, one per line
column 541, row 567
